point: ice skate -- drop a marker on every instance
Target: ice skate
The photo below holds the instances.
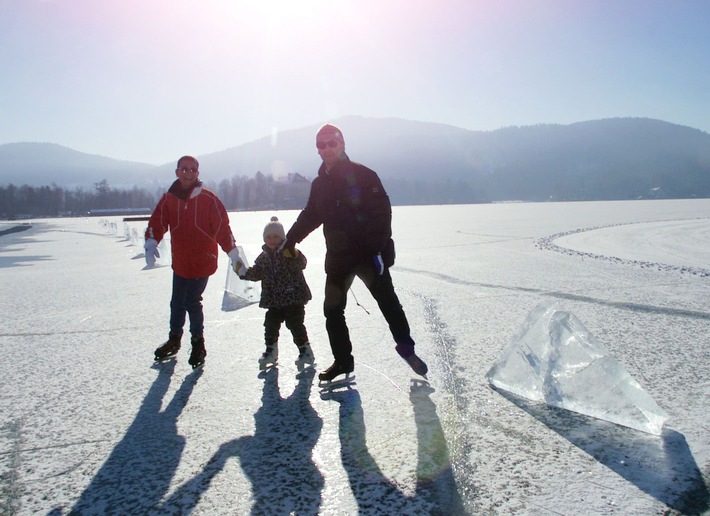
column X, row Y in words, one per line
column 305, row 356
column 198, row 353
column 169, row 349
column 327, row 377
column 417, row 364
column 269, row 358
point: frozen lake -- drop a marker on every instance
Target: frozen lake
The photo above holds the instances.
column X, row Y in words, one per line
column 91, row 425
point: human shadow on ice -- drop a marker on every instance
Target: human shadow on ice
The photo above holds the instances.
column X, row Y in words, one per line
column 277, row 459
column 15, row 229
column 662, row 467
column 22, row 261
column 435, row 490
column 140, row 469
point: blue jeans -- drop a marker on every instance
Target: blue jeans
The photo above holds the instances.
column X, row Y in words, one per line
column 187, row 299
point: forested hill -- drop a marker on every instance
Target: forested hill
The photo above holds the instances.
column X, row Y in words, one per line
column 425, row 163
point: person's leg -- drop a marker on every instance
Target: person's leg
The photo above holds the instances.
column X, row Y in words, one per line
column 294, row 315
column 272, row 324
column 177, row 320
column 382, row 289
column 336, row 296
column 193, row 304
column 177, row 304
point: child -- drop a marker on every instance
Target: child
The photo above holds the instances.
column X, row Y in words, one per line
column 284, row 292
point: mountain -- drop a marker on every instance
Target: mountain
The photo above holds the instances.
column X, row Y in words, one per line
column 420, row 162
column 44, row 164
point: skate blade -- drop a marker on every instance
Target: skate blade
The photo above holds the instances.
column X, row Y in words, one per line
column 265, row 373
column 304, row 366
column 263, row 366
column 165, row 359
column 329, row 385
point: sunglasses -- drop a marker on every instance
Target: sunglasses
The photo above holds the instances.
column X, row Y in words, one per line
column 185, row 170
column 332, row 144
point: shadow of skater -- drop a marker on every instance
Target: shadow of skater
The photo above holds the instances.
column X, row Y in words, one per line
column 435, row 492
column 277, row 459
column 663, row 466
column 435, row 475
column 139, row 470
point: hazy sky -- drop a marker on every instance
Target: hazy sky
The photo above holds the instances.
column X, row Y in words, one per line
column 150, row 80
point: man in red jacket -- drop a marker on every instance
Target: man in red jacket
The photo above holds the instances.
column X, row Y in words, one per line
column 198, row 222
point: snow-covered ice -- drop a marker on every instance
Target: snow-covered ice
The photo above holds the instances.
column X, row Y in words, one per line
column 91, row 425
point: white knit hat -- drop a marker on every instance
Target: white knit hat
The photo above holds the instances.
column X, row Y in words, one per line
column 274, row 228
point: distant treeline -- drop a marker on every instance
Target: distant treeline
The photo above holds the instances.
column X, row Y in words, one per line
column 54, row 201
column 239, row 193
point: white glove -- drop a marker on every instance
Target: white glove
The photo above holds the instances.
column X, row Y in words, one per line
column 237, row 264
column 151, row 251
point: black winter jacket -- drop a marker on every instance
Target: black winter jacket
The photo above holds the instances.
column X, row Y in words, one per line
column 356, row 214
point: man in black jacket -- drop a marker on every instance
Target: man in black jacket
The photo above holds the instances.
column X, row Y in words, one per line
column 348, row 199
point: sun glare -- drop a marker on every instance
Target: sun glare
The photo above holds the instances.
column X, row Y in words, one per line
column 282, row 11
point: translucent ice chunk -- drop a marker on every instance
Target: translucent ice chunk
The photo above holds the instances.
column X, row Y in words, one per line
column 239, row 293
column 555, row 359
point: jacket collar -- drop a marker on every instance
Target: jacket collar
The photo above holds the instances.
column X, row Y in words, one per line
column 323, row 171
column 184, row 195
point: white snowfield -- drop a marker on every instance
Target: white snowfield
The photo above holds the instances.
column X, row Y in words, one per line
column 91, row 426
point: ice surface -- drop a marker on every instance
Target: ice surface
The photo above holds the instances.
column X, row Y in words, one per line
column 555, row 359
column 72, row 293
column 239, row 293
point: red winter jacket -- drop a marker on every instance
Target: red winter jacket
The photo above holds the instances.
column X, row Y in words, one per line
column 197, row 221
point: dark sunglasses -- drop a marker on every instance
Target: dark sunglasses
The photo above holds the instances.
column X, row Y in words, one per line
column 185, row 170
column 332, row 144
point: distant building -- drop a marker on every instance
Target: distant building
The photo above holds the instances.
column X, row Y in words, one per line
column 291, row 191
column 107, row 212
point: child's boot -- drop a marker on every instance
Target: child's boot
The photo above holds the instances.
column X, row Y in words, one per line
column 305, row 355
column 270, row 356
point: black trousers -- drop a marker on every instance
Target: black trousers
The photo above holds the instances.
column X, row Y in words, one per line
column 336, row 296
column 293, row 316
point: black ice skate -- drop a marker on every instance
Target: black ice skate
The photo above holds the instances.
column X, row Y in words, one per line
column 416, row 363
column 169, row 349
column 198, row 353
column 336, row 369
